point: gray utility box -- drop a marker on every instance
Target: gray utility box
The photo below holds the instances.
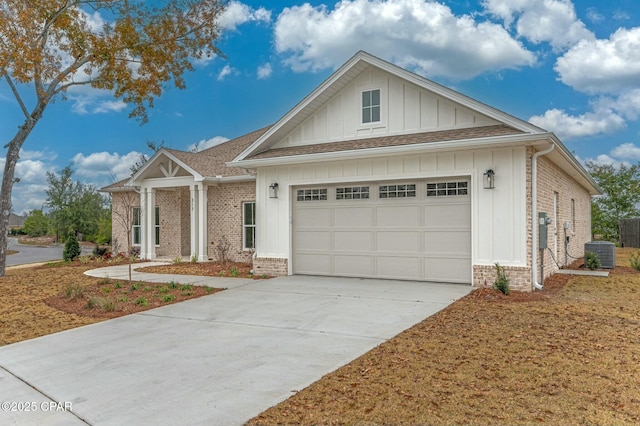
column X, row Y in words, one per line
column 606, row 252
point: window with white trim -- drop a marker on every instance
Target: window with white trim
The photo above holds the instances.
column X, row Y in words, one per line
column 397, row 191
column 573, row 215
column 157, row 226
column 314, row 194
column 371, row 106
column 352, row 193
column 136, row 230
column 446, row 189
column 249, row 225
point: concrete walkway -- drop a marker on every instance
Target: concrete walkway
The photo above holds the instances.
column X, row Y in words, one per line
column 219, row 359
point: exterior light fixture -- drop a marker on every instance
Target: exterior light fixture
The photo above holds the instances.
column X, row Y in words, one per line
column 489, row 179
column 273, row 190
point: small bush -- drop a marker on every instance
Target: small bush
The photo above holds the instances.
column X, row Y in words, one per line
column 177, row 260
column 186, row 287
column 74, row 291
column 635, row 261
column 173, row 284
column 134, row 287
column 141, row 301
column 134, row 252
column 167, row 298
column 163, row 289
column 194, row 258
column 592, row 260
column 234, row 272
column 117, row 285
column 502, row 280
column 71, row 248
column 84, row 259
column 106, row 305
column 101, row 252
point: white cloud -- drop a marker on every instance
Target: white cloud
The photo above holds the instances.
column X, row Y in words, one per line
column 594, row 16
column 226, row 71
column 103, row 168
column 238, row 13
column 603, row 66
column 28, row 193
column 264, row 71
column 628, row 151
column 567, row 126
column 552, row 21
column 206, row 143
column 422, row 35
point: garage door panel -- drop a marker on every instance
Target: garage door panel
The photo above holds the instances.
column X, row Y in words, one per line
column 398, row 215
column 353, row 241
column 353, row 217
column 445, row 214
column 447, row 241
column 401, row 241
column 314, row 217
column 355, row 266
column 312, row 240
column 310, row 263
column 448, row 269
column 399, row 267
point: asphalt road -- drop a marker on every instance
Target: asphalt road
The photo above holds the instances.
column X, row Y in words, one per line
column 32, row 254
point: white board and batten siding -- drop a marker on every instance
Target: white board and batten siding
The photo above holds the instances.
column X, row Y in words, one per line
column 405, row 108
column 497, row 217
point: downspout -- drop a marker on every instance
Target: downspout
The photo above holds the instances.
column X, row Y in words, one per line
column 534, row 215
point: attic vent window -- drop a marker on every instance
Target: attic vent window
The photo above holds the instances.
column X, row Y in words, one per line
column 371, row 106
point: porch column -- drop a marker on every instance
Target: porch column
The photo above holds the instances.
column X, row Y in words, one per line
column 151, row 223
column 194, row 220
column 143, row 223
column 202, row 223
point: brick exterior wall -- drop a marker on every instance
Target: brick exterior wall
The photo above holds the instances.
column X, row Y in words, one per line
column 169, row 203
column 577, row 213
column 519, row 276
column 121, row 203
column 225, row 218
column 185, row 222
column 271, row 266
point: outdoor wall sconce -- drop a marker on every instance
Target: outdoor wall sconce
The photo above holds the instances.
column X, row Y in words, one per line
column 489, row 179
column 273, row 190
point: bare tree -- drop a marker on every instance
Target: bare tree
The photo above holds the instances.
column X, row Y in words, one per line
column 123, row 203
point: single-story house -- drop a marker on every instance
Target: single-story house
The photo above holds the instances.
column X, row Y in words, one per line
column 379, row 173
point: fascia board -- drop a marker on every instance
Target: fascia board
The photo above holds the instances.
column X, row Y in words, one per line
column 162, row 151
column 228, row 179
column 581, row 171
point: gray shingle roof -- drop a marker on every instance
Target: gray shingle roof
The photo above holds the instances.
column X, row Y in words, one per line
column 389, row 141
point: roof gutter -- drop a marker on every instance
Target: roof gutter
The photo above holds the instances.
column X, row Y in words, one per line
column 534, row 215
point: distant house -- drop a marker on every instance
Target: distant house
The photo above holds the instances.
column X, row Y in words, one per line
column 16, row 221
column 378, row 173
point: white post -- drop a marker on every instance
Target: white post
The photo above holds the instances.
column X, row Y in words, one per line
column 194, row 220
column 202, row 223
column 143, row 223
column 151, row 223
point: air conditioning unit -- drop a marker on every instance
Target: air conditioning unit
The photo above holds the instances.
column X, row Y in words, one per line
column 606, row 252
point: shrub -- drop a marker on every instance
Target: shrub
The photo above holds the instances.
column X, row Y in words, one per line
column 635, row 261
column 134, row 252
column 141, row 301
column 71, row 248
column 177, row 260
column 106, row 305
column 502, row 280
column 101, row 252
column 234, row 272
column 74, row 291
column 194, row 258
column 167, row 298
column 592, row 260
column 84, row 259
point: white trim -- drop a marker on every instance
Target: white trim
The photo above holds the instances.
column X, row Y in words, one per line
column 244, row 226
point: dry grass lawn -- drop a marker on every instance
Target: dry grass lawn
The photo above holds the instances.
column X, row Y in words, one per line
column 568, row 355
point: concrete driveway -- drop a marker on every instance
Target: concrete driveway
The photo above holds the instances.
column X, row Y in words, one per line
column 219, row 359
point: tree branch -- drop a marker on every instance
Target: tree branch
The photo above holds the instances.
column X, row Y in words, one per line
column 16, row 94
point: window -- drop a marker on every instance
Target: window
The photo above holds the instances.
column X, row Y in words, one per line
column 135, row 229
column 316, row 194
column 397, row 191
column 573, row 215
column 249, row 225
column 444, row 189
column 352, row 193
column 371, row 106
column 157, row 219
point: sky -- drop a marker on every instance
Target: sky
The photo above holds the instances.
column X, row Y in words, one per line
column 570, row 67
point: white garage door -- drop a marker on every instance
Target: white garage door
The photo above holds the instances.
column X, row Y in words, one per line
column 414, row 230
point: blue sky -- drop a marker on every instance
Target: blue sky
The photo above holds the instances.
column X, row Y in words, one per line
column 571, row 67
